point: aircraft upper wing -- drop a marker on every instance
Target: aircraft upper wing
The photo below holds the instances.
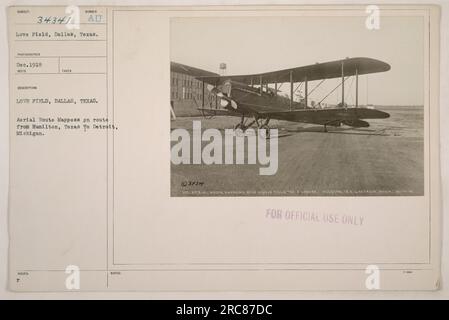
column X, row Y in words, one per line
column 195, row 72
column 317, row 71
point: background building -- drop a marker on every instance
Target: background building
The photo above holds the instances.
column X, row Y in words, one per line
column 186, row 91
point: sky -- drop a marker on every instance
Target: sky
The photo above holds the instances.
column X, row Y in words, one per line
column 260, row 44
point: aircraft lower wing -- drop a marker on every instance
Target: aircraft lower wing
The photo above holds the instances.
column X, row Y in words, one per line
column 350, row 116
column 327, row 116
column 217, row 112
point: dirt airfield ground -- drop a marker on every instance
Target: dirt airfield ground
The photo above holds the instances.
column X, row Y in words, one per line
column 385, row 159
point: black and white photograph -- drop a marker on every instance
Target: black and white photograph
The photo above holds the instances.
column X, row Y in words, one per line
column 234, row 151
column 297, row 106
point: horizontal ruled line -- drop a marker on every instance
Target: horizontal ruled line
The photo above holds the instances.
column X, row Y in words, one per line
column 60, row 73
column 56, row 40
column 49, row 57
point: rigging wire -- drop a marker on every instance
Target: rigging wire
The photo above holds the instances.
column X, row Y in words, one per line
column 334, row 89
column 298, row 87
column 316, row 87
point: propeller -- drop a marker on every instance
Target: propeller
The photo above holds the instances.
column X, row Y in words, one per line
column 212, row 89
column 225, row 101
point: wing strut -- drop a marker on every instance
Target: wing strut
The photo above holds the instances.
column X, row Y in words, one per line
column 291, row 90
column 202, row 95
column 356, row 87
column 342, row 84
column 306, row 90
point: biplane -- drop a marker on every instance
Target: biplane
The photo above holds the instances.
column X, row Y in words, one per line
column 249, row 96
